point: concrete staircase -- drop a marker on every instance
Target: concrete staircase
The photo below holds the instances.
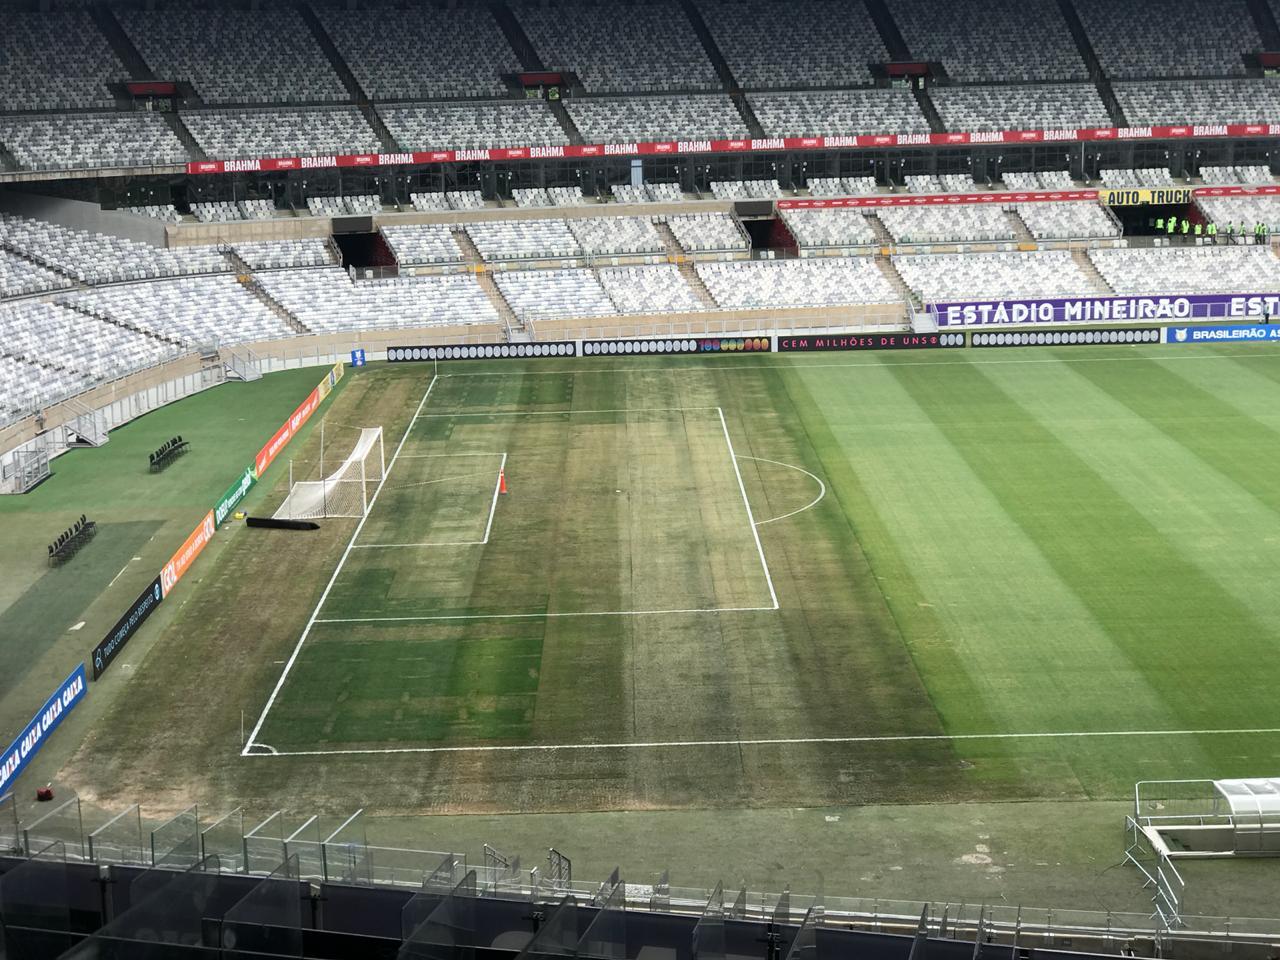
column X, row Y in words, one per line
column 508, row 316
column 470, row 253
column 122, row 324
column 1090, row 270
column 21, row 254
column 885, row 264
column 245, row 274
column 1020, row 230
column 676, row 254
column 183, row 134
column 712, row 50
column 883, row 236
column 120, row 43
column 1096, row 73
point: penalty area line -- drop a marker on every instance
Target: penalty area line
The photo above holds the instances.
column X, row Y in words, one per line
column 774, row 741
column 429, row 618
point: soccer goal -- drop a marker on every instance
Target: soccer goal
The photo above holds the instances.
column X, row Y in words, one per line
column 346, row 491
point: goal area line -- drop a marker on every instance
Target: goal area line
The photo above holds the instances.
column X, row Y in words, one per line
column 265, row 750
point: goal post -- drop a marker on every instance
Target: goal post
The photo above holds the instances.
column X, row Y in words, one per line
column 316, row 493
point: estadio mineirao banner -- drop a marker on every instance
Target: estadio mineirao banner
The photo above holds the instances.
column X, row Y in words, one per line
column 1065, row 338
column 484, row 351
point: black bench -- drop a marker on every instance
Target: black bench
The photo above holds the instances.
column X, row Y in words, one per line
column 71, row 540
column 170, row 451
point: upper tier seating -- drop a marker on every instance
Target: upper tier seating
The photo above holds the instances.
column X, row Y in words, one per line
column 840, row 227
column 745, row 189
column 326, row 207
column 226, row 211
column 195, row 310
column 399, row 52
column 1137, row 177
column 838, row 113
column 428, row 202
column 567, row 196
column 1217, row 269
column 810, row 43
column 656, row 289
column 1045, row 106
column 318, row 132
column 327, row 300
column 1148, row 38
column 517, row 123
column 643, row 119
column 62, row 337
column 766, row 284
column 422, row 243
column 991, row 40
column 993, row 276
column 279, row 254
column 707, row 232
column 234, row 55
column 1199, row 101
column 464, row 199
column 620, row 46
column 936, row 224
column 97, row 258
column 842, row 186
column 1246, row 210
column 522, row 239
column 55, row 60
column 531, row 197
column 1056, row 221
column 75, row 141
column 19, row 277
column 1236, row 175
column 611, row 236
column 555, row 294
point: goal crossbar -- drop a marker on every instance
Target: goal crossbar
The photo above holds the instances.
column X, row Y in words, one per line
column 346, row 491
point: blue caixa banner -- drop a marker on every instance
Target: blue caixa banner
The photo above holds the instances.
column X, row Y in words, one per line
column 1226, row 333
column 30, row 740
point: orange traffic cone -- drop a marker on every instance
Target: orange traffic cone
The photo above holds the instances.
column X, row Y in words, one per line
column 502, row 481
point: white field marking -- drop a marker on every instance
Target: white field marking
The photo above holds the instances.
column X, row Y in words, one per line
column 427, row 483
column 497, row 485
column 740, row 364
column 121, row 573
column 559, row 413
column 822, row 488
column 781, row 741
column 442, row 456
column 544, row 616
column 293, row 657
column 755, row 532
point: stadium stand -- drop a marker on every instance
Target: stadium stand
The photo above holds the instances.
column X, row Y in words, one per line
column 1137, row 177
column 923, row 183
column 1246, row 210
column 362, row 203
column 55, row 60
column 957, row 182
column 464, row 199
column 827, row 281
column 612, row 236
column 745, row 189
column 615, row 47
column 64, row 338
column 1051, row 106
column 823, row 42
column 518, row 123
column 535, row 294
column 319, row 131
column 838, row 112
column 993, row 276
column 707, row 232
column 399, row 52
column 328, row 300
column 650, row 289
column 20, row 278
column 326, row 206
column 1146, row 38
column 25, row 387
column 198, row 311
column 428, row 202
column 523, row 239
column 991, row 40
column 422, row 243
column 567, row 196
column 531, row 197
column 941, row 224
column 226, row 211
column 167, row 212
column 97, row 258
column 828, row 228
column 1236, row 175
column 75, row 141
column 1196, row 270
column 656, row 118
column 1199, row 101
column 664, row 192
column 1056, row 221
column 1056, row 180
column 234, row 55
column 279, row 254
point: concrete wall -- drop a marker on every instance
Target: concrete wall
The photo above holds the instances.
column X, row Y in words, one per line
column 82, row 215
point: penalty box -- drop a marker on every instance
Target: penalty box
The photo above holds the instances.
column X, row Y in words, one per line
column 611, row 513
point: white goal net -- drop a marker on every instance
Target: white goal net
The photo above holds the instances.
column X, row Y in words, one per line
column 346, row 491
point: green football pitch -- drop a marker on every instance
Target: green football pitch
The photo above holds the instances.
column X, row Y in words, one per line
column 1019, row 574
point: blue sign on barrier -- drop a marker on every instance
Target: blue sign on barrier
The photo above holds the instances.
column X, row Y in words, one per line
column 29, row 742
column 357, row 358
column 1243, row 333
